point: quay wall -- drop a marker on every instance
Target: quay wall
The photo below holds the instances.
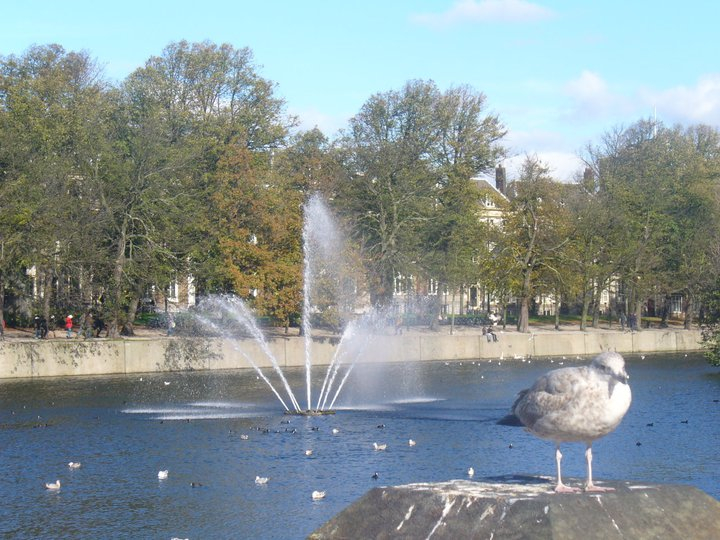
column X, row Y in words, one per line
column 27, row 358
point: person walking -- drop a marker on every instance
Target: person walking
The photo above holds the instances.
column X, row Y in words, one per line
column 632, row 322
column 69, row 326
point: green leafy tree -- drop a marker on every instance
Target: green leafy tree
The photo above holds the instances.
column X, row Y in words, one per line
column 536, row 232
column 659, row 184
column 403, row 149
column 53, row 107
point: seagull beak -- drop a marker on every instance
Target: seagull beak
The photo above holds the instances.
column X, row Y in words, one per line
column 623, row 377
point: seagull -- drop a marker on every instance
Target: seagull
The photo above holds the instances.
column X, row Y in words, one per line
column 244, row 437
column 575, row 404
column 471, row 472
column 335, row 431
column 411, row 443
column 317, row 495
column 379, row 447
column 261, row 480
column 162, row 475
column 308, row 452
column 74, row 464
column 53, row 486
column 167, row 383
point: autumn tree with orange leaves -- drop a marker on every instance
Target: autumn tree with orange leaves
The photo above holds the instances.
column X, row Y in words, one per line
column 259, row 221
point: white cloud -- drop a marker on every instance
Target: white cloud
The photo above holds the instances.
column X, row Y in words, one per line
column 312, row 118
column 480, row 11
column 563, row 166
column 687, row 105
column 592, row 98
column 589, row 86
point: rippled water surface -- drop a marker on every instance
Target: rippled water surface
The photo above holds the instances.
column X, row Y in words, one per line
column 125, row 429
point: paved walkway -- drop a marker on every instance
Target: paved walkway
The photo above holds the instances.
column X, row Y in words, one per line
column 142, row 332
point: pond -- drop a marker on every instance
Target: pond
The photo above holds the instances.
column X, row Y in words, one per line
column 214, row 432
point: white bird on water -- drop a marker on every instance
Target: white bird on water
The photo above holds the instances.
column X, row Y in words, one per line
column 471, row 472
column 317, row 495
column 74, row 464
column 162, row 475
column 308, row 452
column 411, row 442
column 261, row 480
column 53, row 486
column 575, row 404
column 379, row 447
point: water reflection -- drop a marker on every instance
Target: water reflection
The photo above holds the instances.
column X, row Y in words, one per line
column 215, row 432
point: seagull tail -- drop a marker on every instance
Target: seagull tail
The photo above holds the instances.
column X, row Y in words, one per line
column 510, row 420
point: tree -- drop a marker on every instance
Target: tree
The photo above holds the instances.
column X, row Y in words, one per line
column 659, row 184
column 52, row 109
column 181, row 111
column 536, row 231
column 403, row 148
column 260, row 233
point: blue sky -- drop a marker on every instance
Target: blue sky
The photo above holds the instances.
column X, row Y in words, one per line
column 559, row 73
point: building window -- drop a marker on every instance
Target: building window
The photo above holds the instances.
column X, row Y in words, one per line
column 173, row 291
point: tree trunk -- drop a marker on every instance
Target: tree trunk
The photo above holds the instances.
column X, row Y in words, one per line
column 128, row 327
column 435, row 311
column 585, row 310
column 558, row 304
column 47, row 292
column 118, row 273
column 596, row 307
column 2, row 305
column 452, row 313
column 665, row 311
column 688, row 311
column 523, row 324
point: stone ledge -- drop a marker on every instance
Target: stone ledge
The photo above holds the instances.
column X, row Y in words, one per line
column 516, row 507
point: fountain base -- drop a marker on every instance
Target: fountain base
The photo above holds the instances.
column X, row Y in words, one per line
column 310, row 412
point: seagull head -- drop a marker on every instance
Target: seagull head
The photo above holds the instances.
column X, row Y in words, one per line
column 612, row 364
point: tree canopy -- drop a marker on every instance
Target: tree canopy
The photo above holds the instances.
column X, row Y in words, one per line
column 191, row 166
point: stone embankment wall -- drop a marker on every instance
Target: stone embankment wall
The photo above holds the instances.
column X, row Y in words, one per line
column 53, row 358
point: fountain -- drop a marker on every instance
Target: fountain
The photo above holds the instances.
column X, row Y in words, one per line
column 329, row 290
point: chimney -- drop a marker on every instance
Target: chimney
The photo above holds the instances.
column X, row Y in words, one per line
column 500, row 179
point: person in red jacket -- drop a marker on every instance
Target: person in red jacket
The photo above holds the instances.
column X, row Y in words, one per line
column 69, row 325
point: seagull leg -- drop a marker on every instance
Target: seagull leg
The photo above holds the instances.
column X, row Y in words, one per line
column 590, row 486
column 560, row 487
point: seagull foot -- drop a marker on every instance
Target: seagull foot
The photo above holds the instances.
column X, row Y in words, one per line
column 592, row 488
column 562, row 488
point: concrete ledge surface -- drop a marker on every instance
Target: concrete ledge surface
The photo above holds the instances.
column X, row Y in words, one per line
column 526, row 507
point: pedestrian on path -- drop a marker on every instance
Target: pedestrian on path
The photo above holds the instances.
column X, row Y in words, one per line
column 69, row 326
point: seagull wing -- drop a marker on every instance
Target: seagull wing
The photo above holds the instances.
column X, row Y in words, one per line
column 550, row 395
